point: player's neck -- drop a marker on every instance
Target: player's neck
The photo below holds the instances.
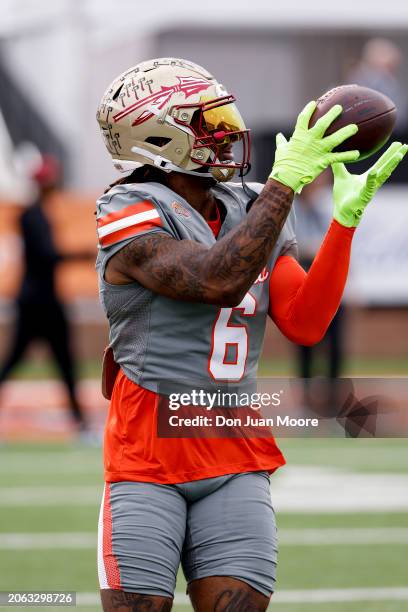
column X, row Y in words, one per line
column 197, row 192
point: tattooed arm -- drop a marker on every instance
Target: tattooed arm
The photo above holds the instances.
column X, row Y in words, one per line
column 222, row 274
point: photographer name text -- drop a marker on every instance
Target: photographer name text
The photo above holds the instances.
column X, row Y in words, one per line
column 247, row 421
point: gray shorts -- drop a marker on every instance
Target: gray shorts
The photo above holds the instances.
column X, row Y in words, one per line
column 221, row 526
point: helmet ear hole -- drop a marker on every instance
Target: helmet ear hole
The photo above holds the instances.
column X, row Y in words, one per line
column 158, row 141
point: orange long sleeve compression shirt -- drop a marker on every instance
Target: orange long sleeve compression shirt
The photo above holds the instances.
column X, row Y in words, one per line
column 303, row 304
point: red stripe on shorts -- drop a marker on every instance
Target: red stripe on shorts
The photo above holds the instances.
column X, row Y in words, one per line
column 109, row 559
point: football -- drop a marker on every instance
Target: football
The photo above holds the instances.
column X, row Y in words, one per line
column 372, row 111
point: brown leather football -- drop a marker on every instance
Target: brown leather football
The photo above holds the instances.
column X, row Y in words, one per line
column 372, row 111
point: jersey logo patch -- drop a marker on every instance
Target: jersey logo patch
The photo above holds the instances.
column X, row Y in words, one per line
column 128, row 222
column 180, row 210
column 264, row 275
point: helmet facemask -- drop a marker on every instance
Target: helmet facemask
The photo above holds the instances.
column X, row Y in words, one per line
column 216, row 124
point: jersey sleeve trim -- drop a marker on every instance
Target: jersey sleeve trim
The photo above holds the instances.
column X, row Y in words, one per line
column 127, row 222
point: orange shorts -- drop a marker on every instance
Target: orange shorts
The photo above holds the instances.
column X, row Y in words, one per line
column 134, row 451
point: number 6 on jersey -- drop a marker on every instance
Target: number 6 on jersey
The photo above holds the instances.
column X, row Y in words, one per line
column 229, row 347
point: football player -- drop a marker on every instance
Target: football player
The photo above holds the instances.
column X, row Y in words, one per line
column 189, row 267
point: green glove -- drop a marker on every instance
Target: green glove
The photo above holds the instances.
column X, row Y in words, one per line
column 352, row 192
column 308, row 153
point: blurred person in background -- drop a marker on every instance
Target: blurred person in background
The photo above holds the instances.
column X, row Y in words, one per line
column 378, row 69
column 40, row 313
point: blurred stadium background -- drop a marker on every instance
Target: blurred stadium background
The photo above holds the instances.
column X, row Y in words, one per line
column 342, row 504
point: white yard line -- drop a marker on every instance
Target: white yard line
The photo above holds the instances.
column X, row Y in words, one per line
column 287, row 537
column 333, row 595
column 296, row 489
column 51, row 496
column 306, row 489
column 343, row 536
column 297, row 596
column 25, row 541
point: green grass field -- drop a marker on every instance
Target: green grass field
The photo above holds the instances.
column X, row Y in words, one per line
column 70, row 478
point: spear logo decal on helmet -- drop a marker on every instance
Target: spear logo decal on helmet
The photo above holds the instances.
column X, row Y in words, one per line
column 187, row 85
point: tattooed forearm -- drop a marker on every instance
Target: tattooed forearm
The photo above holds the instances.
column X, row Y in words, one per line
column 221, row 274
column 246, row 249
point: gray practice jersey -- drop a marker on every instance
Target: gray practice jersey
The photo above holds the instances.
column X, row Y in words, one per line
column 156, row 338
